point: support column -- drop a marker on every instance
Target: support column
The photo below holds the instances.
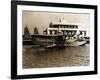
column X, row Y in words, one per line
column 84, row 33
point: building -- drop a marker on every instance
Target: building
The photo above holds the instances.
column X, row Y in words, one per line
column 64, row 28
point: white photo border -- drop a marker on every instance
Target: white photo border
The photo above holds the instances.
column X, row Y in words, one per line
column 60, row 69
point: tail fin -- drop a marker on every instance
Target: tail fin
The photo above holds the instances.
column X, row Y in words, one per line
column 27, row 35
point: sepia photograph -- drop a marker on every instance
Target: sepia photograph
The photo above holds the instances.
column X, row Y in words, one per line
column 53, row 39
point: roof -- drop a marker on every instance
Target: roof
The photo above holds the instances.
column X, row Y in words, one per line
column 64, row 22
column 60, row 23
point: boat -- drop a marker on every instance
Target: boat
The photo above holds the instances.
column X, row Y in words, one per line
column 59, row 34
column 50, row 46
column 69, row 34
column 75, row 43
column 70, row 42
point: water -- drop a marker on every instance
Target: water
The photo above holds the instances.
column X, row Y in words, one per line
column 55, row 57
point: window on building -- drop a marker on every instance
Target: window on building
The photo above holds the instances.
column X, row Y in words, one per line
column 76, row 26
column 61, row 26
column 55, row 32
column 54, row 26
column 67, row 26
column 81, row 32
column 50, row 31
column 70, row 26
column 64, row 26
column 73, row 26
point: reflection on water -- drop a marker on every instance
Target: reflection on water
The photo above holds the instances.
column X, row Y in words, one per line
column 55, row 57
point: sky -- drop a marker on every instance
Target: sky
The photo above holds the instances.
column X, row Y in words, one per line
column 41, row 20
